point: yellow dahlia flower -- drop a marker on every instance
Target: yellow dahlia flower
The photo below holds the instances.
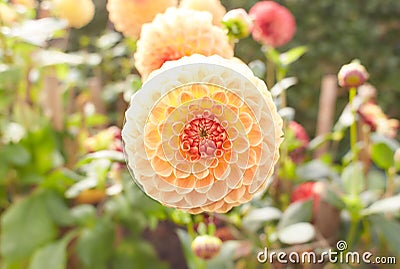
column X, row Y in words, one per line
column 7, row 14
column 128, row 16
column 213, row 6
column 177, row 33
column 78, row 13
column 202, row 134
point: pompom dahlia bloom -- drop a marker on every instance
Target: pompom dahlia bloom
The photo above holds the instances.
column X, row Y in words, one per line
column 128, row 16
column 352, row 75
column 274, row 25
column 177, row 33
column 215, row 7
column 78, row 13
column 202, row 134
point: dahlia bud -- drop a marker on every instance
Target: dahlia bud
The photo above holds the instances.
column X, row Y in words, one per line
column 76, row 17
column 238, row 23
column 352, row 75
column 206, row 246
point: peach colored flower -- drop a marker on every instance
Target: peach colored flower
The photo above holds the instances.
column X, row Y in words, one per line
column 178, row 33
column 373, row 115
column 7, row 14
column 215, row 7
column 128, row 16
column 25, row 3
column 78, row 13
column 202, row 134
column 274, row 25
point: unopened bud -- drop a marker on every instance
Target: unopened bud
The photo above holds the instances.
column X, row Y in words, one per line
column 238, row 23
column 352, row 75
column 206, row 246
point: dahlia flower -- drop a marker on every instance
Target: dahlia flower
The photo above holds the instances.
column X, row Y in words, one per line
column 7, row 14
column 76, row 17
column 202, row 134
column 177, row 33
column 274, row 25
column 306, row 191
column 297, row 155
column 352, row 75
column 25, row 3
column 215, row 7
column 128, row 16
column 373, row 115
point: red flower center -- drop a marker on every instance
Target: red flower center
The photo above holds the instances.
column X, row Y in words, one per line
column 203, row 137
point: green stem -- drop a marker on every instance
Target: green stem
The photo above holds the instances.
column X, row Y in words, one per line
column 352, row 232
column 353, row 127
column 390, row 181
column 270, row 79
column 199, row 263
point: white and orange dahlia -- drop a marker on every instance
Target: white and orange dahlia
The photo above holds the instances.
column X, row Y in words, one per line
column 128, row 16
column 202, row 134
column 177, row 33
column 215, row 7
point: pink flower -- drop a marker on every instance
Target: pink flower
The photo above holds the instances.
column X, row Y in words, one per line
column 373, row 115
column 274, row 25
column 301, row 135
column 307, row 191
column 352, row 75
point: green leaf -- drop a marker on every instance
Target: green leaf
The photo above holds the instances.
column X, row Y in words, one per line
column 389, row 230
column 256, row 217
column 25, row 226
column 84, row 214
column 112, row 155
column 391, row 204
column 138, row 253
column 296, row 212
column 272, row 55
column 297, row 233
column 376, row 180
column 292, row 55
column 16, row 154
column 353, row 179
column 58, row 210
column 53, row 255
column 94, row 246
column 225, row 259
column 382, row 155
column 186, row 247
column 282, row 86
column 37, row 32
column 258, row 68
column 314, row 170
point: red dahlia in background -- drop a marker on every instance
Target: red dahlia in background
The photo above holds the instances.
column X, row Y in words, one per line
column 274, row 25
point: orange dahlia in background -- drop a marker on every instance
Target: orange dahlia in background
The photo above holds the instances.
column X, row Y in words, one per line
column 213, row 6
column 274, row 25
column 128, row 16
column 78, row 13
column 177, row 33
column 202, row 134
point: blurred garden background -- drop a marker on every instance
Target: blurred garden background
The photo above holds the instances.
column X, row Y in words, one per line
column 68, row 70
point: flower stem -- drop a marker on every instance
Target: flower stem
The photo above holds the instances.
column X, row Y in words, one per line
column 270, row 73
column 352, row 232
column 353, row 127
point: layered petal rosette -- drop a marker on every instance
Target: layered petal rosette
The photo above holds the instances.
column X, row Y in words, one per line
column 202, row 134
column 177, row 33
column 128, row 16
